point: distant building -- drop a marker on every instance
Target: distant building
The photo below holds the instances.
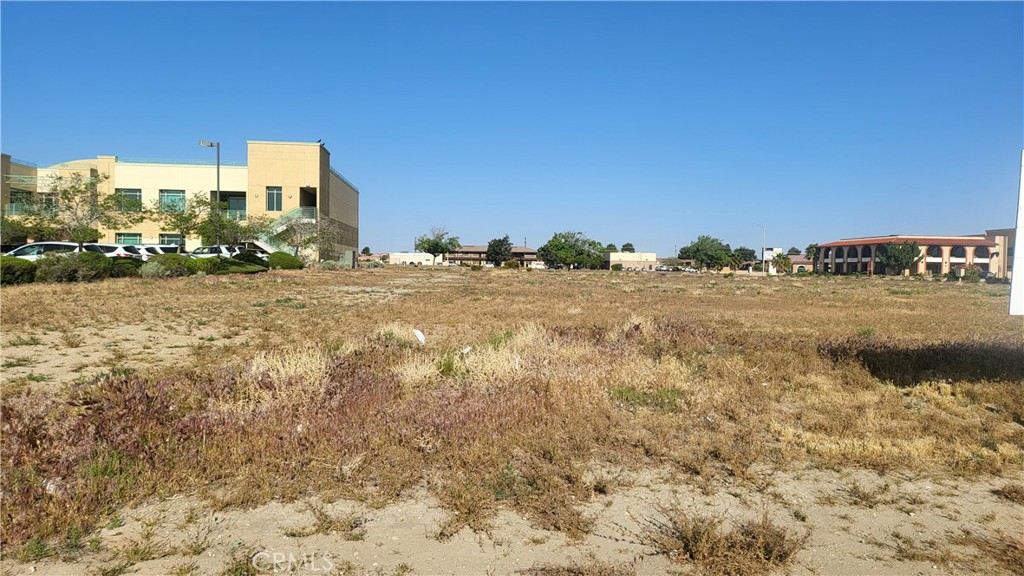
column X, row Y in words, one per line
column 632, row 260
column 476, row 254
column 413, row 259
column 991, row 252
column 284, row 181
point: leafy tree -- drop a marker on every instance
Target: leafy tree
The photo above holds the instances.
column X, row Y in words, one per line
column 812, row 253
column 366, row 251
column 78, row 209
column 628, row 247
column 319, row 235
column 438, row 242
column 499, row 251
column 793, row 251
column 782, row 263
column 707, row 252
column 184, row 219
column 898, row 256
column 745, row 254
column 216, row 225
column 571, row 250
column 611, row 248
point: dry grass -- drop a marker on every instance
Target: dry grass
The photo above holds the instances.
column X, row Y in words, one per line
column 527, row 380
column 752, row 547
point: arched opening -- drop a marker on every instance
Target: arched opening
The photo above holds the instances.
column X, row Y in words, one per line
column 981, row 252
column 800, row 269
column 958, row 252
column 934, row 252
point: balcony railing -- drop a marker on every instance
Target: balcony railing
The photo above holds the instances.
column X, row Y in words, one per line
column 17, row 209
column 307, row 212
column 234, row 214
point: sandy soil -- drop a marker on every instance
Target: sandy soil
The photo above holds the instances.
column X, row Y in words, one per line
column 857, row 522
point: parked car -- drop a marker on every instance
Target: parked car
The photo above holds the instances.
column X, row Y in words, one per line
column 36, row 250
column 211, row 251
column 115, row 250
column 149, row 250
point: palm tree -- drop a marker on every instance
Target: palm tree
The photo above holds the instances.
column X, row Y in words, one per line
column 782, row 263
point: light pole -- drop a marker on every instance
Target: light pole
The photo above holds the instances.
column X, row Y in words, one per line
column 216, row 223
column 764, row 265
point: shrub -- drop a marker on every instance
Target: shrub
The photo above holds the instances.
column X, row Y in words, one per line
column 511, row 264
column 125, row 267
column 16, row 270
column 74, row 267
column 205, row 265
column 617, row 267
column 375, row 264
column 250, row 258
column 168, row 266
column 333, row 265
column 284, row 261
column 235, row 266
column 476, row 267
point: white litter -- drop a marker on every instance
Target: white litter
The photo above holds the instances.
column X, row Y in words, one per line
column 467, row 349
column 420, row 336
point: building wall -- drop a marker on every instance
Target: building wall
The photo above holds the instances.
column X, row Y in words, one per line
column 412, row 259
column 198, row 181
column 290, row 165
column 344, row 209
column 634, row 260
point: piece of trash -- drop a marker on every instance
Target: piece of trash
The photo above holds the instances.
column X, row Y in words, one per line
column 298, row 429
column 517, row 363
column 420, row 336
column 467, row 349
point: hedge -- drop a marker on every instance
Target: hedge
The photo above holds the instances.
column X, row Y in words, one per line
column 16, row 270
column 284, row 261
column 74, row 267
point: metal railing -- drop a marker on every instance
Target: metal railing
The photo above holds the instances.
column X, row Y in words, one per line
column 235, row 214
column 188, row 162
column 345, row 180
column 18, row 209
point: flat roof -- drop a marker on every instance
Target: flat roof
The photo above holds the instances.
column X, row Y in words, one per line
column 921, row 240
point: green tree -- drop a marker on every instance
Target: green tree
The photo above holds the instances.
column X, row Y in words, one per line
column 437, row 242
column 499, row 250
column 571, row 250
column 745, row 254
column 77, row 208
column 628, row 247
column 320, row 235
column 366, row 251
column 183, row 219
column 611, row 248
column 898, row 256
column 782, row 263
column 707, row 252
column 812, row 252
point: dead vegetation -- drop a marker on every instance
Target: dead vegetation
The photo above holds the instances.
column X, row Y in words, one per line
column 527, row 381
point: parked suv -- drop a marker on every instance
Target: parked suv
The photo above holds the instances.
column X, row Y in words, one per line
column 36, row 250
column 115, row 250
column 211, row 251
column 147, row 251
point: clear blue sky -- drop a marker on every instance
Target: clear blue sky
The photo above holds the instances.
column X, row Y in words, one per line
column 650, row 123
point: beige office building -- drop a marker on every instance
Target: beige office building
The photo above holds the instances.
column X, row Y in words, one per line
column 631, row 260
column 286, row 181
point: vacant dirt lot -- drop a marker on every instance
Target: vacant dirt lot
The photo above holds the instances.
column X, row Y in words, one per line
column 550, row 423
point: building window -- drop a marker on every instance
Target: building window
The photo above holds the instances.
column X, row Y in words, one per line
column 169, row 239
column 129, row 199
column 128, row 238
column 172, row 200
column 273, row 198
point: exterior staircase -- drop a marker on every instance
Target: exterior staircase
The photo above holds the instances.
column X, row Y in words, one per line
column 300, row 214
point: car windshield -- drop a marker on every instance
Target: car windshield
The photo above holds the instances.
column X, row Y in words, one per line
column 131, row 249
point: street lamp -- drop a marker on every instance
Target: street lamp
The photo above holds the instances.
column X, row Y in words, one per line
column 216, row 224
column 764, row 266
